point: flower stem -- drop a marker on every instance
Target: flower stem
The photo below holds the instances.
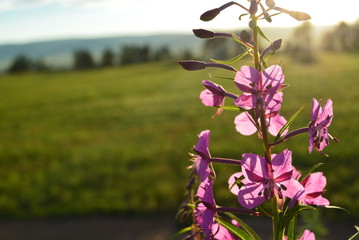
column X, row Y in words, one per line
column 275, row 218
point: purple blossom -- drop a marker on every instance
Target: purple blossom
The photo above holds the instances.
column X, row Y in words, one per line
column 213, row 96
column 202, row 160
column 314, row 186
column 256, row 85
column 318, row 127
column 206, row 211
column 307, row 235
column 263, row 180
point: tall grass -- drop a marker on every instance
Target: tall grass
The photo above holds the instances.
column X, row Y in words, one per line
column 116, row 140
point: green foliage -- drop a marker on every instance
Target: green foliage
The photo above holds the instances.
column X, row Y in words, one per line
column 114, row 140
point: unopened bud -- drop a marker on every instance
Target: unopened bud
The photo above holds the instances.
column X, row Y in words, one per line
column 300, row 16
column 270, row 3
column 276, row 44
column 254, row 7
column 210, row 14
column 250, row 24
column 192, row 65
column 245, row 36
column 203, row 33
column 267, row 17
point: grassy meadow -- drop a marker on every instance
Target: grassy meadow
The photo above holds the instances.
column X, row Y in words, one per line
column 116, row 140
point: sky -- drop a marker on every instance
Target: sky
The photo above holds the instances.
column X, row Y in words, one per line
column 23, row 21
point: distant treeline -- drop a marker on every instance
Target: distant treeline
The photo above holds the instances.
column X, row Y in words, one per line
column 84, row 58
column 342, row 38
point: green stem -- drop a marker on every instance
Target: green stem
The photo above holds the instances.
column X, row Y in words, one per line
column 255, row 47
column 275, row 218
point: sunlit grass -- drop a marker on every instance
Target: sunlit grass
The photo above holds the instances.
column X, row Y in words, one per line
column 116, row 140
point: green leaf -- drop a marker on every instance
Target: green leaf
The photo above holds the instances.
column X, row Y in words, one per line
column 289, row 122
column 238, row 40
column 235, row 230
column 356, row 234
column 245, row 227
column 231, row 108
column 262, row 34
column 292, row 228
column 232, row 60
column 180, row 232
column 309, row 171
column 336, row 207
column 291, row 213
column 242, row 15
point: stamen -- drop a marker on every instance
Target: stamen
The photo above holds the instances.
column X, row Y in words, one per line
column 283, row 187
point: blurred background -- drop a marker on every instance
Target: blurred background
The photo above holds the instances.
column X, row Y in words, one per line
column 97, row 118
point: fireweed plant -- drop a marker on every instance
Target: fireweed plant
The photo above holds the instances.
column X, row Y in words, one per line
column 267, row 185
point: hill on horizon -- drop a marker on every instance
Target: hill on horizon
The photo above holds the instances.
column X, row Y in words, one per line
column 59, row 53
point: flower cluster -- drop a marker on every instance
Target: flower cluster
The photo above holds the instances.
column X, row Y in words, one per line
column 267, row 184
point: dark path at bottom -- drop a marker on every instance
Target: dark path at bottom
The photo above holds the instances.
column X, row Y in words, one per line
column 142, row 228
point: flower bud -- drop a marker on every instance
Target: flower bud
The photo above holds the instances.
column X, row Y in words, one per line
column 192, row 65
column 245, row 36
column 270, row 3
column 267, row 17
column 203, row 33
column 210, row 14
column 250, row 25
column 277, row 44
column 254, row 7
column 300, row 16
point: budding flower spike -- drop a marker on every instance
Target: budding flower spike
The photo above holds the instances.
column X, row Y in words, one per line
column 265, row 184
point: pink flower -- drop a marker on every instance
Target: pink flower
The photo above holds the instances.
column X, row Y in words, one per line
column 314, row 186
column 245, row 124
column 263, row 180
column 205, row 212
column 307, row 235
column 213, row 95
column 318, row 127
column 257, row 85
column 202, row 160
column 206, row 209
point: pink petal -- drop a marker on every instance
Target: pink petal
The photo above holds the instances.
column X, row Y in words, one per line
column 315, row 182
column 246, row 101
column 205, row 192
column 307, row 235
column 248, row 195
column 272, row 78
column 327, row 115
column 232, row 182
column 244, row 124
column 276, row 124
column 202, row 145
column 210, row 99
column 282, row 163
column 202, row 168
column 318, row 201
column 316, row 109
column 245, row 78
column 254, row 167
column 294, row 189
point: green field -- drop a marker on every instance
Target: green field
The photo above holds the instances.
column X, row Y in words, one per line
column 116, row 140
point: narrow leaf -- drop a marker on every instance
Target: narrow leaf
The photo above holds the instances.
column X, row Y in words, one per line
column 238, row 40
column 355, row 235
column 289, row 122
column 291, row 213
column 180, row 232
column 336, row 207
column 292, row 228
column 231, row 108
column 235, row 230
column 262, row 34
column 243, row 225
column 232, row 60
column 309, row 171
